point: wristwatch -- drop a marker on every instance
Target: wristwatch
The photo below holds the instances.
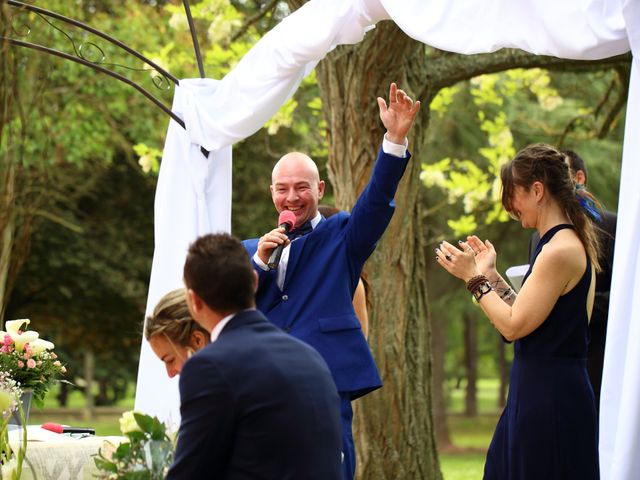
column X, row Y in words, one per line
column 481, row 290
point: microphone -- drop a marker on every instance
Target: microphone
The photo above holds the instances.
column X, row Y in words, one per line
column 286, row 220
column 57, row 428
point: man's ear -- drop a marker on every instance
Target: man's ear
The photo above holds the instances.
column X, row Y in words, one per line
column 194, row 301
column 320, row 189
column 580, row 178
column 255, row 281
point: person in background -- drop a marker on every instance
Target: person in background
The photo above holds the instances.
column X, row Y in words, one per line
column 255, row 402
column 548, row 428
column 607, row 235
column 172, row 333
column 310, row 293
column 361, row 295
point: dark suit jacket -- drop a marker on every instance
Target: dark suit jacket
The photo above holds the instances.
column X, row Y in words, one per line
column 598, row 323
column 323, row 270
column 257, row 404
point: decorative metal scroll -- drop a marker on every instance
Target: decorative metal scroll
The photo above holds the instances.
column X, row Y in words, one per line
column 92, row 55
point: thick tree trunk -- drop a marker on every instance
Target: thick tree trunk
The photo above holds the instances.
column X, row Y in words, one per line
column 471, row 364
column 394, row 430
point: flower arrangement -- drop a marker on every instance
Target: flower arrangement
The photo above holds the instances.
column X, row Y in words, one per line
column 28, row 359
column 10, row 461
column 145, row 455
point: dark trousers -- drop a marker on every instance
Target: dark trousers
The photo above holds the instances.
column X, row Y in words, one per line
column 348, row 449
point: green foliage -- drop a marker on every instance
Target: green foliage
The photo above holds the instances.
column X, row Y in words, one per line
column 146, row 455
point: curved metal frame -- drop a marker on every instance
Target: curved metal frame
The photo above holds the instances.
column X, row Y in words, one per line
column 79, row 58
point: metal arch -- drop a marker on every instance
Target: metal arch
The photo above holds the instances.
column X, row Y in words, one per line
column 84, row 26
column 96, row 65
column 100, row 69
column 194, row 37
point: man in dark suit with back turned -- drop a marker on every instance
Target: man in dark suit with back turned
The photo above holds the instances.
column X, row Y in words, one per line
column 256, row 403
column 598, row 323
column 310, row 294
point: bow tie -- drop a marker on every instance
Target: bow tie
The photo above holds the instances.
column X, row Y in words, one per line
column 300, row 231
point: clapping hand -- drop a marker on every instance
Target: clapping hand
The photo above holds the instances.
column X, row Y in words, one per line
column 484, row 252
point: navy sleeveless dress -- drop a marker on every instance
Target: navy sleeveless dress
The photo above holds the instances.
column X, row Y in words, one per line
column 548, row 429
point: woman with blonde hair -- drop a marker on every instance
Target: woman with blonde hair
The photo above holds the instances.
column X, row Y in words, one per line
column 172, row 333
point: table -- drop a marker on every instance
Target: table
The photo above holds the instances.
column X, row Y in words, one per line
column 54, row 456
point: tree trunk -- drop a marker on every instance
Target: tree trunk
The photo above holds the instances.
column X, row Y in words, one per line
column 439, row 401
column 471, row 363
column 7, row 169
column 394, row 430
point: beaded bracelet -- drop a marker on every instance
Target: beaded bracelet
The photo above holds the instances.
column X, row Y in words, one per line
column 473, row 282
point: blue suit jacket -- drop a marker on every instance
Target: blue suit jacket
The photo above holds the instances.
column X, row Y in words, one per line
column 257, row 403
column 323, row 270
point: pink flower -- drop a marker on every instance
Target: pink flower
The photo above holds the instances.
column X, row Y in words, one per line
column 31, row 363
column 63, row 370
column 57, row 363
column 7, row 339
column 53, row 355
column 20, row 364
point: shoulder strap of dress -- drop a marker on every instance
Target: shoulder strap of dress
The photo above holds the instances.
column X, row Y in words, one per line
column 548, row 236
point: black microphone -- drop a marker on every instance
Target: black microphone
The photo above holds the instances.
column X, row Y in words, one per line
column 286, row 220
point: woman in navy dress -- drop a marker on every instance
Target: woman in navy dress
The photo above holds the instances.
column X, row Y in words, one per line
column 548, row 428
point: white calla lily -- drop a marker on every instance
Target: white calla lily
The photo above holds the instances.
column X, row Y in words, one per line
column 19, row 338
column 29, row 337
column 39, row 345
column 14, row 326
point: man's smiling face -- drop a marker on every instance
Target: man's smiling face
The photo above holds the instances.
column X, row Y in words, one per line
column 296, row 186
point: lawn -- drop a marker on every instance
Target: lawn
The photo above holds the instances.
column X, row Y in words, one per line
column 470, row 436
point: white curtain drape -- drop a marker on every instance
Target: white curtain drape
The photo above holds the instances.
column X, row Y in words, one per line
column 269, row 74
column 193, row 197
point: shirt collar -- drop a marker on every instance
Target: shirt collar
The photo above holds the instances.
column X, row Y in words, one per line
column 316, row 220
column 215, row 333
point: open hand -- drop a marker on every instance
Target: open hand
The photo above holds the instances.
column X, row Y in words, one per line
column 459, row 262
column 484, row 252
column 399, row 115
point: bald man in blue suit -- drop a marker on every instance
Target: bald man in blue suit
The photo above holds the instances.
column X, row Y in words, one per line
column 309, row 294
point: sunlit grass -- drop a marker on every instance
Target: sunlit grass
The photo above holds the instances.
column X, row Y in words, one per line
column 470, row 436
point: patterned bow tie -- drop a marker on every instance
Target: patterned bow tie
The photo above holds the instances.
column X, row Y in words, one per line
column 300, row 231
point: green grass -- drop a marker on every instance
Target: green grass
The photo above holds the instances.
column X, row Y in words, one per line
column 487, row 395
column 470, row 436
column 462, row 466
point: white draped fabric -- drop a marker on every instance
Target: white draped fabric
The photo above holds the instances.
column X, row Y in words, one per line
column 193, row 197
column 269, row 74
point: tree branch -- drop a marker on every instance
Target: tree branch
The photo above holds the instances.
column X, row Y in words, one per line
column 446, row 69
